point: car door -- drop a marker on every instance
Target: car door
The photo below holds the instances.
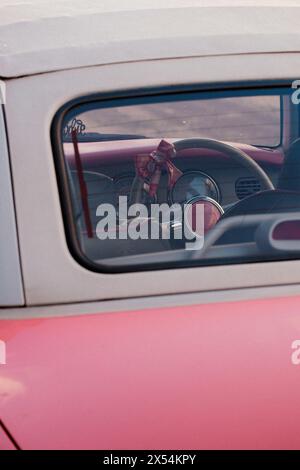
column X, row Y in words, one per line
column 183, row 356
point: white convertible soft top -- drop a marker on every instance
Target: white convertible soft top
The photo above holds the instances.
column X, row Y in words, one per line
column 39, row 36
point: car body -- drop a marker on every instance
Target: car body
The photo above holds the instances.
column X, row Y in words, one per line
column 192, row 357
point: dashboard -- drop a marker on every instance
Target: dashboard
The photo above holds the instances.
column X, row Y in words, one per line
column 225, row 185
column 109, row 175
column 205, row 174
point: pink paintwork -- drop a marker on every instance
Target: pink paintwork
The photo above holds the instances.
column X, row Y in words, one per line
column 213, row 376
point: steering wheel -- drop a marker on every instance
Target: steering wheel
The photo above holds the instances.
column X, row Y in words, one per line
column 232, row 152
column 137, row 193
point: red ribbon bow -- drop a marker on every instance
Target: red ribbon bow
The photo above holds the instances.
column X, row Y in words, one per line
column 149, row 167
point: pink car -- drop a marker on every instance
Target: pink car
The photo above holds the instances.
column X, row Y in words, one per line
column 150, row 226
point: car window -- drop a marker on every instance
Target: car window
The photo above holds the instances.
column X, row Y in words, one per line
column 180, row 178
